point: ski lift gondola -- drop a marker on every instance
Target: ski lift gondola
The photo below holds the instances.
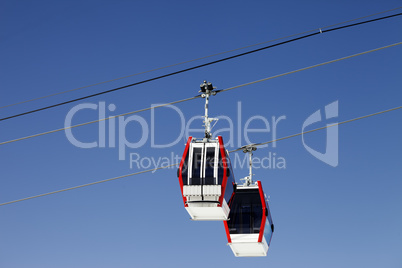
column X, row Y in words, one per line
column 205, row 174
column 249, row 228
column 206, row 179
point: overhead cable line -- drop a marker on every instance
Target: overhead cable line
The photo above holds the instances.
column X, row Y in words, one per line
column 85, row 185
column 163, row 167
column 316, row 129
column 99, row 120
column 223, row 90
column 200, row 66
column 309, row 67
column 197, row 59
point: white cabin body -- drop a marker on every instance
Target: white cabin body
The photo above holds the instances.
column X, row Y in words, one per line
column 206, row 180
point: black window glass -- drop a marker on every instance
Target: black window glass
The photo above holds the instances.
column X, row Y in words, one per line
column 244, row 223
column 209, row 165
column 257, row 217
column 196, row 167
column 220, row 168
column 245, row 212
column 184, row 171
column 230, row 181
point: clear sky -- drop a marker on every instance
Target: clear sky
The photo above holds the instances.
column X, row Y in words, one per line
column 325, row 216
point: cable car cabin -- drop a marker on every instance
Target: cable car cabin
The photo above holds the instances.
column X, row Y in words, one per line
column 249, row 228
column 206, row 180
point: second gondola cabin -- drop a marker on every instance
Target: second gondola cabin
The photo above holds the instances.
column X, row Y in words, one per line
column 249, row 228
column 206, row 180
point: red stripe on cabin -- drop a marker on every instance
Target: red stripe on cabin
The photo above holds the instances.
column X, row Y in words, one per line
column 225, row 166
column 264, row 209
column 183, row 159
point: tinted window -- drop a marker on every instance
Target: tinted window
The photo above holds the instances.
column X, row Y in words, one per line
column 220, row 168
column 257, row 217
column 245, row 212
column 230, row 181
column 196, row 167
column 184, row 171
column 209, row 165
column 268, row 231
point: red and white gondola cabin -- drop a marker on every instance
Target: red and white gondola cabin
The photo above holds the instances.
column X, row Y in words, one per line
column 249, row 228
column 206, row 180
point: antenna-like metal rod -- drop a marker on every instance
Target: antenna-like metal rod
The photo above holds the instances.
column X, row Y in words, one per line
column 250, row 153
column 206, row 120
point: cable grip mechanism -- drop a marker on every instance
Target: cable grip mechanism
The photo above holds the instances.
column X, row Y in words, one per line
column 249, row 149
column 207, row 89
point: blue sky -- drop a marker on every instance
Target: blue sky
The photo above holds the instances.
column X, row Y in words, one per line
column 324, row 216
